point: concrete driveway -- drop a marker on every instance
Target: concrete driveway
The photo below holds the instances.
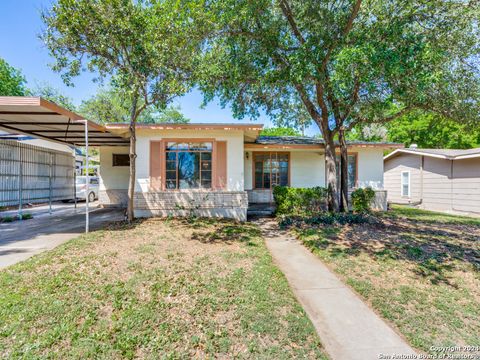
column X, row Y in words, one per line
column 22, row 239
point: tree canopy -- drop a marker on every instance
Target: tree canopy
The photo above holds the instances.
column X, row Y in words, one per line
column 12, row 82
column 427, row 130
column 344, row 62
column 51, row 93
column 109, row 105
column 280, row 131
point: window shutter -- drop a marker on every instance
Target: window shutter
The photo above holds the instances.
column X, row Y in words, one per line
column 156, row 156
column 221, row 165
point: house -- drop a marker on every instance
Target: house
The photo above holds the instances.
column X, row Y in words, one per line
column 218, row 169
column 434, row 179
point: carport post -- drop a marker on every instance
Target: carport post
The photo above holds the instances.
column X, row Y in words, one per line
column 20, row 185
column 50, row 185
column 75, row 185
column 87, row 178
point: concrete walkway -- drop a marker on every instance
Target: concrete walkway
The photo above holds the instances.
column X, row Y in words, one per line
column 20, row 240
column 348, row 328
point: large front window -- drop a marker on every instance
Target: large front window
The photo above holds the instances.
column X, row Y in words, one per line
column 271, row 168
column 188, row 165
column 352, row 170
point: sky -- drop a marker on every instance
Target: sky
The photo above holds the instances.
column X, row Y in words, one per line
column 21, row 47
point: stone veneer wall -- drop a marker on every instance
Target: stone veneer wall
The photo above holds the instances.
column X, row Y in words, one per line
column 113, row 198
column 224, row 204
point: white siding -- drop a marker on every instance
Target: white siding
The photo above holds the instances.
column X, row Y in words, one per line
column 307, row 169
column 370, row 167
column 112, row 177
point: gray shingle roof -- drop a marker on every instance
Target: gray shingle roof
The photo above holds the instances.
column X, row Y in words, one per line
column 299, row 140
column 449, row 154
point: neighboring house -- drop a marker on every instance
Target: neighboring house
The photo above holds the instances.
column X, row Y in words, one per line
column 26, row 139
column 434, row 179
column 218, row 169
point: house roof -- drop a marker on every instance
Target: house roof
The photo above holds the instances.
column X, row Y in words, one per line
column 448, row 154
column 298, row 141
column 46, row 120
column 191, row 126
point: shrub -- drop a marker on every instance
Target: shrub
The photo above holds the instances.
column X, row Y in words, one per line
column 326, row 218
column 27, row 216
column 7, row 219
column 299, row 200
column 362, row 199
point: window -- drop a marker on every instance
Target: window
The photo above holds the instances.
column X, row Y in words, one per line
column 188, row 165
column 94, row 181
column 352, row 171
column 271, row 169
column 121, row 160
column 405, row 178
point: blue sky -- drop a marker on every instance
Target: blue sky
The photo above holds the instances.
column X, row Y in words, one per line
column 22, row 49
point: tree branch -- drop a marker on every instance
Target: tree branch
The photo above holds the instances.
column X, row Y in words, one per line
column 287, row 11
column 356, row 89
column 346, row 30
column 384, row 120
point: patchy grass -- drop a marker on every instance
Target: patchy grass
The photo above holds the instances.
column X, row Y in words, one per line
column 156, row 289
column 410, row 213
column 421, row 274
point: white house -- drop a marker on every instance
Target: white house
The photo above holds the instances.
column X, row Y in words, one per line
column 218, row 169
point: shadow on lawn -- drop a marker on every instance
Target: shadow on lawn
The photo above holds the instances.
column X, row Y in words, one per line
column 227, row 232
column 436, row 252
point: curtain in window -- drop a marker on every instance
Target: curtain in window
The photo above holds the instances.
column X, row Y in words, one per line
column 189, row 165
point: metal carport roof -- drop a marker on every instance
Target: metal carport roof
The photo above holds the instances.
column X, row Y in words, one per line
column 43, row 119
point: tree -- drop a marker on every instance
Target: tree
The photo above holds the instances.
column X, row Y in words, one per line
column 280, row 131
column 12, row 82
column 171, row 114
column 148, row 47
column 52, row 94
column 427, row 130
column 343, row 63
column 109, row 105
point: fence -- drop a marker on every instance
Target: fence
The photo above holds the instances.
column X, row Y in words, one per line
column 32, row 174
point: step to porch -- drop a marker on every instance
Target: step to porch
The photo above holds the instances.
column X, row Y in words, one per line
column 261, row 209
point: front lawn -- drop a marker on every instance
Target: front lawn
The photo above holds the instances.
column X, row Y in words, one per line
column 156, row 289
column 420, row 270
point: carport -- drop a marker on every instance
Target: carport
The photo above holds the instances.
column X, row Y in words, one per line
column 43, row 119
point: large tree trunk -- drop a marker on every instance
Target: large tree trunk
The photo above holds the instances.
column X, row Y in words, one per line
column 133, row 156
column 331, row 172
column 343, row 170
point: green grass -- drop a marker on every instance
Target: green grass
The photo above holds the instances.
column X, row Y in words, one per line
column 419, row 270
column 430, row 216
column 157, row 289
